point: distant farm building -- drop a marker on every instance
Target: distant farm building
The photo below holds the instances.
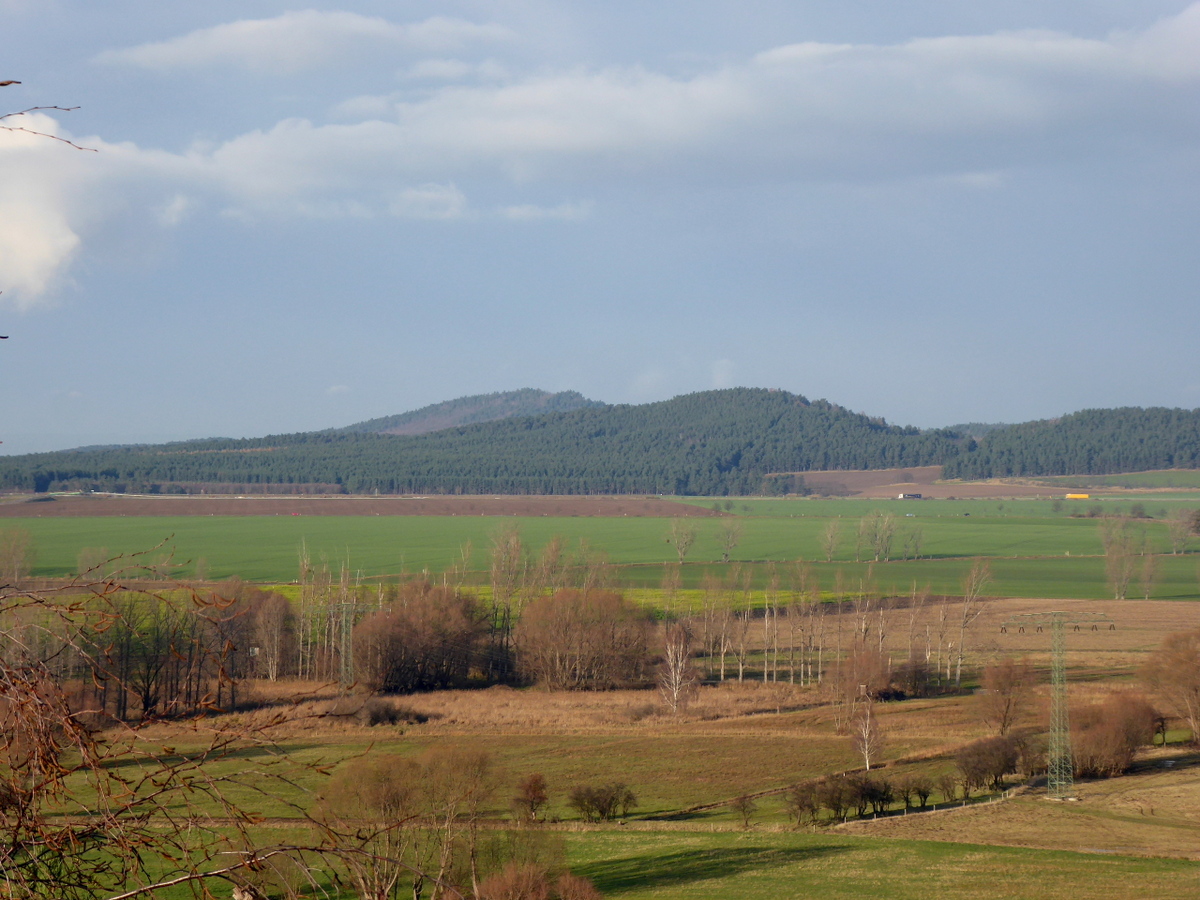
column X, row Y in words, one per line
column 909, row 497
column 1079, row 496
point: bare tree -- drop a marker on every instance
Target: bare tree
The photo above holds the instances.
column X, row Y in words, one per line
column 729, row 535
column 509, row 571
column 1120, row 554
column 867, row 734
column 913, row 537
column 883, row 533
column 16, row 555
column 672, row 581
column 1173, row 673
column 1179, row 531
column 677, row 677
column 973, row 586
column 830, row 537
column 740, row 600
column 531, row 796
column 1148, row 574
column 580, row 639
column 1007, row 691
column 916, row 605
column 274, row 625
column 745, row 806
column 682, row 534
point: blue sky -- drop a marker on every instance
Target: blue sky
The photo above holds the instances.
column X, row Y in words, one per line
column 302, row 216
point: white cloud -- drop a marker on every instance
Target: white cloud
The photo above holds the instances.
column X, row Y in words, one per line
column 334, row 389
column 429, row 201
column 961, row 109
column 940, row 106
column 37, row 237
column 455, row 70
column 175, row 210
column 299, row 40
column 567, row 212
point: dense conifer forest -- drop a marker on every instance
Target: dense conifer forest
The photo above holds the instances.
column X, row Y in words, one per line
column 737, row 441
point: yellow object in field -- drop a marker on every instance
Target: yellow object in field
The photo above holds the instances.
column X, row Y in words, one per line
column 1079, row 496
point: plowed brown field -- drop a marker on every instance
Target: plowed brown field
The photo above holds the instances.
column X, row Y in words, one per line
column 121, row 505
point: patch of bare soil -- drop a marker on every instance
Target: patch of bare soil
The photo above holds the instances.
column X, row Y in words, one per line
column 565, row 506
column 880, row 484
column 1152, row 812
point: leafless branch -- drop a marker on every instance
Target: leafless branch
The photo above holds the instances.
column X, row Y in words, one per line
column 45, row 134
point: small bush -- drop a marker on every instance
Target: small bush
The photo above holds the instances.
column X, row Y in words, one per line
column 947, row 784
column 641, row 711
column 531, row 796
column 835, row 795
column 602, row 803
column 1105, row 737
column 572, row 887
column 378, row 711
column 803, row 801
column 984, row 763
column 745, row 807
column 516, row 882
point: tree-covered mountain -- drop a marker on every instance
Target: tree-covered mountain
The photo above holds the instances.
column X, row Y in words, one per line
column 473, row 410
column 1091, row 442
column 718, row 442
column 738, row 441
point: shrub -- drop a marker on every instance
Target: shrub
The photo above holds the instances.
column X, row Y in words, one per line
column 984, row 763
column 947, row 784
column 745, row 807
column 516, row 882
column 880, row 794
column 531, row 796
column 572, row 887
column 835, row 795
column 426, row 640
column 602, row 803
column 912, row 678
column 1105, row 737
column 803, row 801
column 381, row 711
column 858, row 793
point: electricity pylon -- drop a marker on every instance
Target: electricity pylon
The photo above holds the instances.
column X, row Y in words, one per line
column 1060, row 769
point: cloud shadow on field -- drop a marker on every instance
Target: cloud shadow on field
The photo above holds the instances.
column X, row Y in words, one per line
column 650, row 871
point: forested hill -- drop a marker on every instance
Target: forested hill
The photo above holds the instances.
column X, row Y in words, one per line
column 718, row 442
column 1091, row 442
column 473, row 410
column 739, row 441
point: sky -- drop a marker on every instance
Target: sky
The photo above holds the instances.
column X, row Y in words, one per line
column 293, row 217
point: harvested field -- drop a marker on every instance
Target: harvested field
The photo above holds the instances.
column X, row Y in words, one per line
column 335, row 505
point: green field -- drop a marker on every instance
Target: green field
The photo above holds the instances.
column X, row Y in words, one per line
column 641, row 865
column 1036, row 550
column 638, row 864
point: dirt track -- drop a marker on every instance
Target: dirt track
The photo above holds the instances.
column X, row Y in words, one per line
column 118, row 505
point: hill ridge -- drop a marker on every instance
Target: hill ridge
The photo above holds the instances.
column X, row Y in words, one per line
column 729, row 441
